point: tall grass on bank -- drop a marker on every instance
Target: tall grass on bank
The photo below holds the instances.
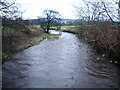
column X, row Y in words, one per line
column 103, row 36
column 15, row 41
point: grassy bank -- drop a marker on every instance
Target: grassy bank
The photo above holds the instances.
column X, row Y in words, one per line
column 69, row 27
column 26, row 44
column 23, row 40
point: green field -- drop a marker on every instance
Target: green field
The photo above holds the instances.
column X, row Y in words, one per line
column 64, row 27
column 68, row 27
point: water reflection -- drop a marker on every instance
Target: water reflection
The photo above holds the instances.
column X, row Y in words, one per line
column 54, row 32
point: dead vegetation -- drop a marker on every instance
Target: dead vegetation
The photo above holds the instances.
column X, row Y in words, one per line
column 103, row 37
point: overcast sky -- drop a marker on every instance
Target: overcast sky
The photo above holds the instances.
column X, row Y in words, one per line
column 34, row 8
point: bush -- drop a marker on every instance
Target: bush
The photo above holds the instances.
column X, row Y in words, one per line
column 103, row 37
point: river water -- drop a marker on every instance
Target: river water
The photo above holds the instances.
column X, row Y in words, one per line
column 64, row 63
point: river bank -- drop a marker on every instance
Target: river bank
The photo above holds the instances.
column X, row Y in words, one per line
column 105, row 40
column 24, row 45
column 20, row 43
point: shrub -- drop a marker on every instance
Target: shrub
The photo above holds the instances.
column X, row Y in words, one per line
column 103, row 37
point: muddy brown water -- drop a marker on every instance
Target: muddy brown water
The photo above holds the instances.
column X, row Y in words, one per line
column 64, row 63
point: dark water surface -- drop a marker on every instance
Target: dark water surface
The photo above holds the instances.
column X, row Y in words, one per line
column 63, row 63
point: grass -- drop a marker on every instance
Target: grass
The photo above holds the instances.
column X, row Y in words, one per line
column 64, row 27
column 27, row 44
column 68, row 27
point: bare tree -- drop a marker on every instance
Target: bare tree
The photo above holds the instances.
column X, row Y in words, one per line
column 98, row 10
column 103, row 31
column 12, row 22
column 10, row 9
column 50, row 15
column 119, row 10
column 11, row 18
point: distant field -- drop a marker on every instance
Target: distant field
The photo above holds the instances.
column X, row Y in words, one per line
column 68, row 27
column 64, row 27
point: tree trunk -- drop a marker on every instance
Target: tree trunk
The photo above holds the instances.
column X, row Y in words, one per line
column 48, row 27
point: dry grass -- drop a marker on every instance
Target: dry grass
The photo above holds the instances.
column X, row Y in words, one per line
column 103, row 37
column 20, row 40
